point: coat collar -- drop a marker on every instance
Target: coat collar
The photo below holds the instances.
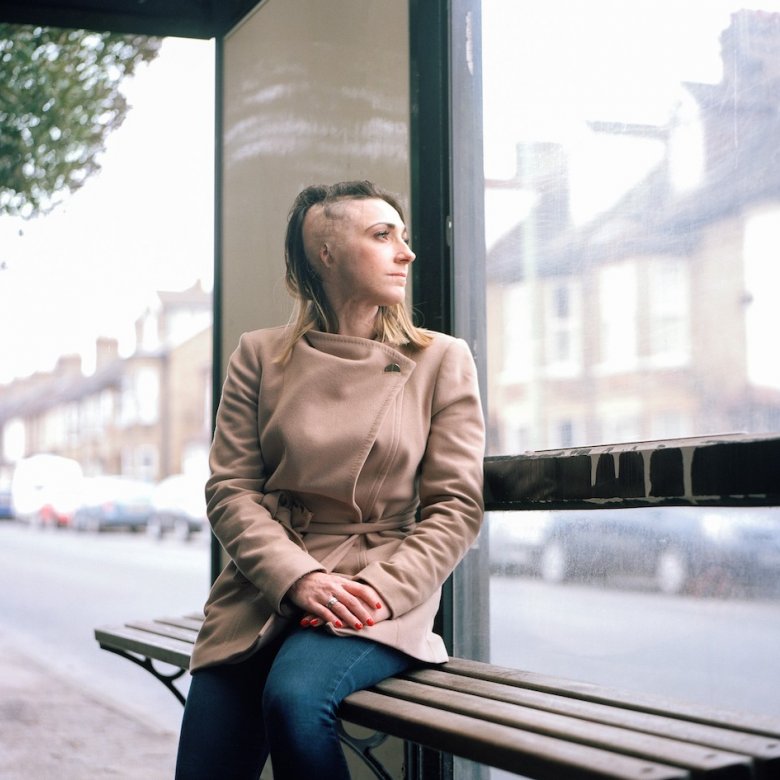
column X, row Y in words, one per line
column 354, row 348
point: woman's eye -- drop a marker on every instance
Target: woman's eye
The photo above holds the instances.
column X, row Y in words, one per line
column 383, row 234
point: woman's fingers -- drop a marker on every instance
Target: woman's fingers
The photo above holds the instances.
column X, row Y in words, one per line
column 365, row 593
column 369, row 606
column 340, row 613
column 352, row 604
column 330, row 598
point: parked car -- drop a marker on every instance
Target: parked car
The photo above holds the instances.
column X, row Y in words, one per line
column 113, row 502
column 6, row 508
column 679, row 549
column 516, row 540
column 45, row 489
column 179, row 507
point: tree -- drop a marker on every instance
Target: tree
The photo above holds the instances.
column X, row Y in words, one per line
column 59, row 100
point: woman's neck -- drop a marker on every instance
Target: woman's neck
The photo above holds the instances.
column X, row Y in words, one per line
column 357, row 323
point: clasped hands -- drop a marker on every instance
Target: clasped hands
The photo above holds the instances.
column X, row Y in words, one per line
column 330, row 598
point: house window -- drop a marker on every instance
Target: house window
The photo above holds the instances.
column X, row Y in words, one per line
column 670, row 424
column 760, row 299
column 617, row 313
column 669, row 308
column 517, row 339
column 140, row 462
column 141, row 396
column 562, row 328
column 564, row 433
column 619, row 421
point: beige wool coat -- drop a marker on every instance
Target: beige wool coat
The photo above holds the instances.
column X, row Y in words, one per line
column 322, row 464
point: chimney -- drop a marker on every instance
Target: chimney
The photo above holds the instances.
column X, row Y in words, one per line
column 749, row 49
column 68, row 365
column 106, row 352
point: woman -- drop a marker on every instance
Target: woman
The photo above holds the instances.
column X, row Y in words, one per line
column 333, row 433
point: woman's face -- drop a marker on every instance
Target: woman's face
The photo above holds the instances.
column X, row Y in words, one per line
column 364, row 254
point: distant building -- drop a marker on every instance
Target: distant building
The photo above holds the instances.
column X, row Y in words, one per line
column 144, row 416
column 599, row 320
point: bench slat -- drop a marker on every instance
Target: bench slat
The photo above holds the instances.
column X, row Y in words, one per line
column 190, row 622
column 172, row 651
column 765, row 749
column 748, row 722
column 498, row 745
column 158, row 628
column 697, row 758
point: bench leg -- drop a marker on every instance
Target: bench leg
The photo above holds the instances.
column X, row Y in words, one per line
column 363, row 747
column 146, row 663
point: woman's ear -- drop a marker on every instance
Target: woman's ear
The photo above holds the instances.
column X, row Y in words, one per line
column 325, row 256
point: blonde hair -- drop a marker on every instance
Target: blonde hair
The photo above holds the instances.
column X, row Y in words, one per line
column 394, row 324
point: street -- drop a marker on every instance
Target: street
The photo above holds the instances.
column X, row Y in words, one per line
column 58, row 586
column 720, row 652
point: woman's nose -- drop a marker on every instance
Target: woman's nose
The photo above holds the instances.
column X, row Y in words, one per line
column 405, row 254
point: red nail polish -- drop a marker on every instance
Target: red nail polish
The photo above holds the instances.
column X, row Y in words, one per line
column 369, row 622
column 338, row 624
column 378, row 605
column 305, row 622
column 315, row 622
column 358, row 626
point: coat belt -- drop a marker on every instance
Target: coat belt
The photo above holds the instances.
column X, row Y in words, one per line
column 297, row 519
column 369, row 527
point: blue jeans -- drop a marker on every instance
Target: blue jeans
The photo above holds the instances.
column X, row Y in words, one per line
column 282, row 701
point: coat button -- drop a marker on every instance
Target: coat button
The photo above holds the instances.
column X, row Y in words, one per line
column 392, row 367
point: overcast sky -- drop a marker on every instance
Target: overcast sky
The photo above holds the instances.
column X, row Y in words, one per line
column 143, row 223
column 550, row 68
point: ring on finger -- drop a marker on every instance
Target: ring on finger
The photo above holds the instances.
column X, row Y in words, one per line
column 331, row 601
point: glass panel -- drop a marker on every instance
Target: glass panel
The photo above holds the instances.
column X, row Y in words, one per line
column 679, row 601
column 632, row 216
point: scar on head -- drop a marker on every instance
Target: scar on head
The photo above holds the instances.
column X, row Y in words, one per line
column 318, row 227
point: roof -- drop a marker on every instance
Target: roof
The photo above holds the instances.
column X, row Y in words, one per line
column 182, row 18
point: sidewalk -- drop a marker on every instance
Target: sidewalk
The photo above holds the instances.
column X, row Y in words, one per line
column 50, row 729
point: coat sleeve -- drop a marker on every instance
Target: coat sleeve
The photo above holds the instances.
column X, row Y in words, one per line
column 450, row 487
column 256, row 543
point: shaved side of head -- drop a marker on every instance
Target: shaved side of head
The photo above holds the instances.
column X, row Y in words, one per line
column 320, row 227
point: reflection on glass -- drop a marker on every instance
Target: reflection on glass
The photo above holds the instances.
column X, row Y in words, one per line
column 632, row 220
column 679, row 601
column 698, row 551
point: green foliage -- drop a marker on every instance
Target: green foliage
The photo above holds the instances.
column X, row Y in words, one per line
column 59, row 100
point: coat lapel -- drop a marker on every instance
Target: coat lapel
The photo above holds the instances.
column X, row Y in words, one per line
column 337, row 392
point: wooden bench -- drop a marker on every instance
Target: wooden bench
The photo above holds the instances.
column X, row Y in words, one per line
column 535, row 725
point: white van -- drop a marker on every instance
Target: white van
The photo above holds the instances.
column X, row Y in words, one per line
column 46, row 489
